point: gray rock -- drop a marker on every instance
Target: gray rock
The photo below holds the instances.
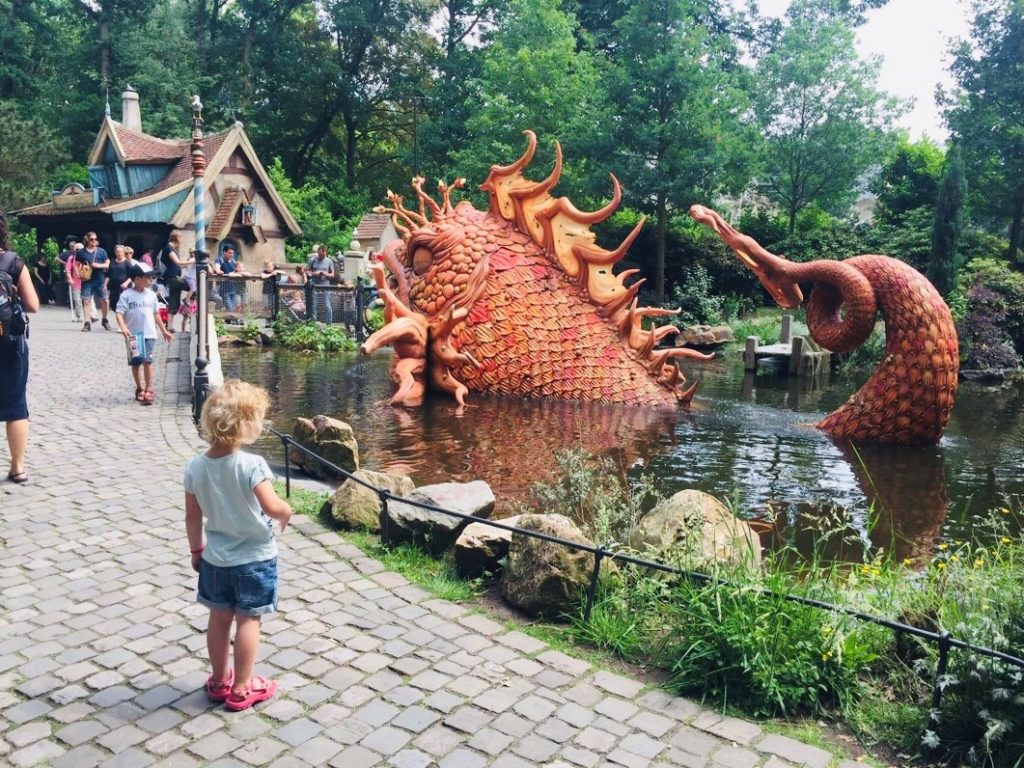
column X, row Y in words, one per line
column 544, row 578
column 402, row 523
column 704, row 336
column 330, row 438
column 480, row 547
column 693, row 526
column 354, row 505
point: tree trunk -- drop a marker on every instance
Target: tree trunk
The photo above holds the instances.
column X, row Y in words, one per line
column 1014, row 251
column 659, row 258
column 350, row 151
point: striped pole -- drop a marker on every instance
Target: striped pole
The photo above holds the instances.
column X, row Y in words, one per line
column 201, row 383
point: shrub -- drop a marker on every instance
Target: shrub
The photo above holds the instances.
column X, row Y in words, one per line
column 313, row 337
column 997, row 276
column 984, row 343
column 694, row 297
column 729, row 641
column 593, row 494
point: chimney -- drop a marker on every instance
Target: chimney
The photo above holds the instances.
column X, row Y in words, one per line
column 131, row 116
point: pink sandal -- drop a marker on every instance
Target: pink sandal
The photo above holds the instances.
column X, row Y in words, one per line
column 260, row 689
column 219, row 690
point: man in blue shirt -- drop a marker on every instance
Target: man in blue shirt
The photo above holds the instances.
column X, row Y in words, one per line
column 321, row 272
column 226, row 265
column 96, row 286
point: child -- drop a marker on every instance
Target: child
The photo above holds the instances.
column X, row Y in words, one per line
column 187, row 309
column 238, row 565
column 137, row 313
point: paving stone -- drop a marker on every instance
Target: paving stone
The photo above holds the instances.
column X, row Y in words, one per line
column 463, row 758
column 416, row 719
column 317, row 750
column 376, row 713
column 298, row 731
column 595, row 739
column 410, row 758
column 85, row 756
column 26, row 711
column 260, row 751
column 438, row 740
column 794, row 751
column 36, row 753
column 386, row 740
column 616, row 709
column 27, row 734
column 582, row 757
column 652, row 724
column 355, row 757
column 557, row 730
column 734, row 757
column 535, row 748
column 81, row 732
column 165, row 743
column 468, row 719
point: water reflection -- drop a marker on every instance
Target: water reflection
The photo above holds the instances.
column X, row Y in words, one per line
column 749, row 439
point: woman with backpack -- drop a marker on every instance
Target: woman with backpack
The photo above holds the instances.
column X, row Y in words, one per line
column 17, row 294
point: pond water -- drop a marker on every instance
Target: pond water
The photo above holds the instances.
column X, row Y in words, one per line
column 747, row 439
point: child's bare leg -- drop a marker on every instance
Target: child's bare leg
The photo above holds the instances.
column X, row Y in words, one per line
column 147, row 370
column 247, row 645
column 137, row 375
column 218, row 641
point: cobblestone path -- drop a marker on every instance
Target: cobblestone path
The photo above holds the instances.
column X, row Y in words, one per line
column 102, row 647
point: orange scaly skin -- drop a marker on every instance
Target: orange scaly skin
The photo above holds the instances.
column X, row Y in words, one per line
column 518, row 300
column 908, row 398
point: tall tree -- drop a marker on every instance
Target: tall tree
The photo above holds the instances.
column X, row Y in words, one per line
column 945, row 260
column 674, row 88
column 909, row 179
column 821, row 113
column 985, row 114
column 29, row 152
column 531, row 77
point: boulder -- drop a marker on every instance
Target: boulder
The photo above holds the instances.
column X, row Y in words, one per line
column 330, row 438
column 704, row 336
column 694, row 527
column 480, row 547
column 544, row 578
column 401, row 523
column 354, row 505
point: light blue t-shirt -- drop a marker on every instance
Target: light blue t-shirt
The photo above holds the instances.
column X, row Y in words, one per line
column 238, row 531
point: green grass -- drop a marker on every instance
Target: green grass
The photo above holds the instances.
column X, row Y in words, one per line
column 439, row 577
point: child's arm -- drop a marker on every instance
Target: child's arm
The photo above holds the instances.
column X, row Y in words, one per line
column 275, row 507
column 194, row 528
column 123, row 325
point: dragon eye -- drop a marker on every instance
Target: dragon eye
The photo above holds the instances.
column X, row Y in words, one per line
column 422, row 258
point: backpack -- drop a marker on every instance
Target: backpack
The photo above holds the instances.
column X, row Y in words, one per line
column 84, row 270
column 13, row 322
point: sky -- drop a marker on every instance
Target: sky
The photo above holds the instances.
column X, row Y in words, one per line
column 912, row 37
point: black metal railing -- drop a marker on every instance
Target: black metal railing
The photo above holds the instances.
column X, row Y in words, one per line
column 942, row 639
column 247, row 296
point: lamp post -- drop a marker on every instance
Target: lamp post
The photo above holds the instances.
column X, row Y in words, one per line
column 201, row 383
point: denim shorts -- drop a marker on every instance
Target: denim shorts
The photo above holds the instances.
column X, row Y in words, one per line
column 248, row 590
column 95, row 287
column 146, row 357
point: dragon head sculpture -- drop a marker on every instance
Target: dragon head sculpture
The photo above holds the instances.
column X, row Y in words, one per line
column 518, row 300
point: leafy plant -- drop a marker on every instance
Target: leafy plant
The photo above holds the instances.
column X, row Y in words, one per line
column 694, row 296
column 312, row 336
column 250, row 331
column 593, row 493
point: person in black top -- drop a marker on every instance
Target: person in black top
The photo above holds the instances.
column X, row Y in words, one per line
column 42, row 279
column 172, row 263
column 14, row 363
column 117, row 275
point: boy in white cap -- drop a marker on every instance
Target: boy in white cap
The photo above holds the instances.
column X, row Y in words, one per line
column 138, row 313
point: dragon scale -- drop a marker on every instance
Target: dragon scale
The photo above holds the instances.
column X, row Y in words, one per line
column 518, row 300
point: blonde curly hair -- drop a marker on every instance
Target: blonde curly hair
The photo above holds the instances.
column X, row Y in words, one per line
column 233, row 413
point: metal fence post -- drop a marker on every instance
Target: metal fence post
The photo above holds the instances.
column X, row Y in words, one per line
column 310, row 309
column 592, row 588
column 286, row 440
column 201, row 386
column 360, row 311
column 941, row 666
column 277, row 299
column 385, row 523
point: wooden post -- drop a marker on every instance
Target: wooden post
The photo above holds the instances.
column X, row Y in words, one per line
column 796, row 357
column 750, row 354
column 786, row 331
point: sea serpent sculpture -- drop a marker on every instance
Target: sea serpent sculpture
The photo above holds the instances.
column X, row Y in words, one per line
column 518, row 300
column 907, row 400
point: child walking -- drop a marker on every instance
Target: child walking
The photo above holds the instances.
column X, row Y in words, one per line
column 137, row 312
column 238, row 564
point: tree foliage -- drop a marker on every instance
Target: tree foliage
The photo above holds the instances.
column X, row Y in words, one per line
column 985, row 113
column 949, row 213
column 823, row 118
